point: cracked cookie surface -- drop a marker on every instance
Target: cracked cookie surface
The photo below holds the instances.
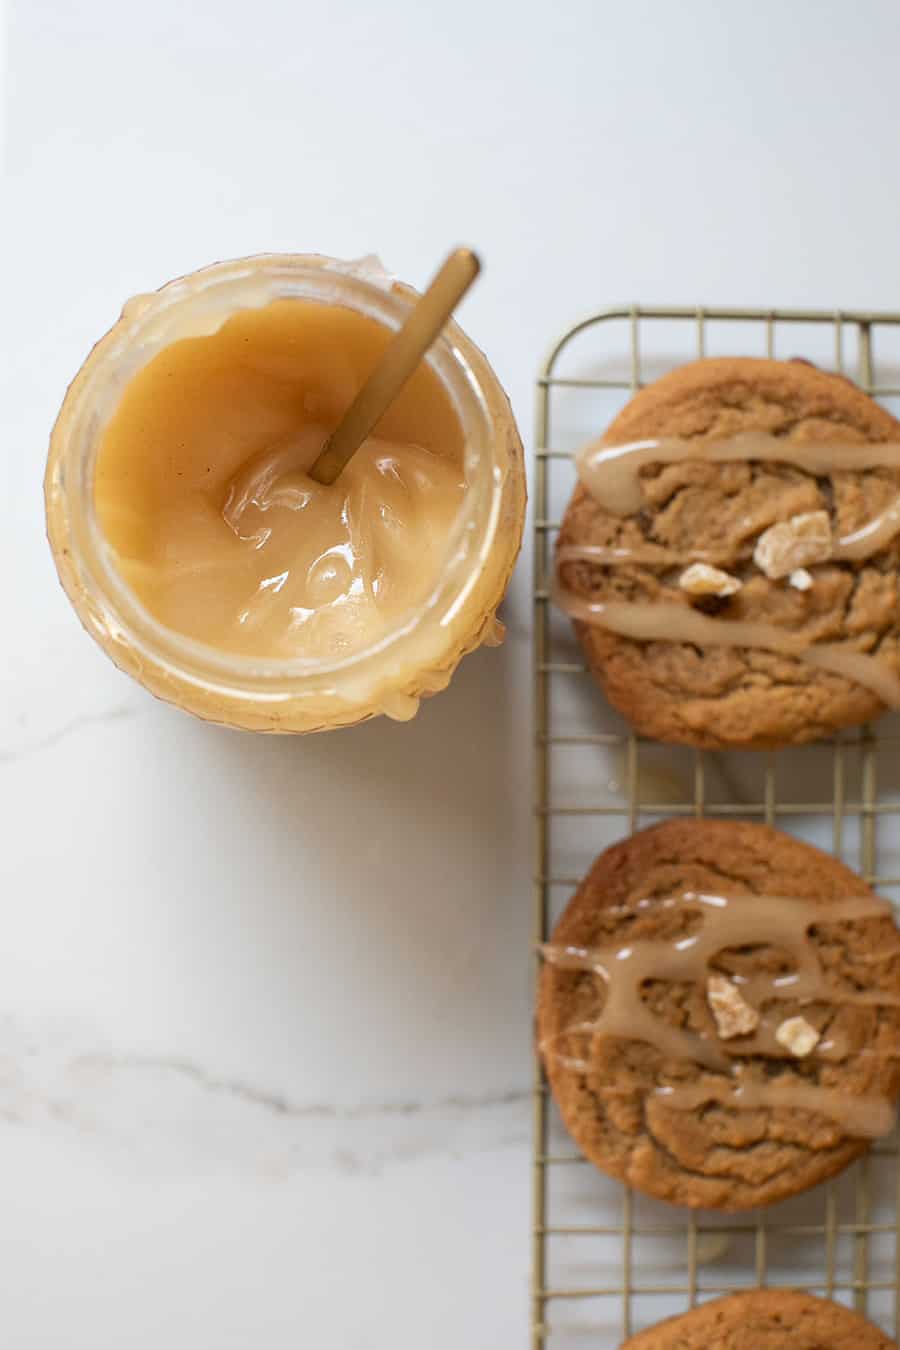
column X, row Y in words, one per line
column 728, row 696
column 616, row 1093
column 764, row 1319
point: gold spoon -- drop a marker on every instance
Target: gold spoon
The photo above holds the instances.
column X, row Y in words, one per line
column 397, row 364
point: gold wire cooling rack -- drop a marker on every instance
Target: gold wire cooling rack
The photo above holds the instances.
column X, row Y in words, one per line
column 606, row 1261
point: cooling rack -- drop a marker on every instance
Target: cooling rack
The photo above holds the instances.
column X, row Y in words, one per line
column 606, row 1261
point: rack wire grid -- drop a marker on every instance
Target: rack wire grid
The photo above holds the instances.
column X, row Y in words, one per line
column 607, row 1261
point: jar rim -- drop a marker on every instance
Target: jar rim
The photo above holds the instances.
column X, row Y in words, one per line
column 215, row 293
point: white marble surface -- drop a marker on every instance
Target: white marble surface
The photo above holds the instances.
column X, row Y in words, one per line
column 264, row 1005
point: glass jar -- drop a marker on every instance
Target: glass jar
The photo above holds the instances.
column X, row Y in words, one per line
column 414, row 658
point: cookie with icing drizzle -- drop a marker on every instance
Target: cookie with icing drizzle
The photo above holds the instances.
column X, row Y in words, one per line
column 698, row 468
column 764, row 1319
column 655, row 1082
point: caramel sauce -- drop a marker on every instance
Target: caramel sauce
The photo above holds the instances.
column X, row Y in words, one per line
column 668, row 621
column 202, row 488
column 611, row 473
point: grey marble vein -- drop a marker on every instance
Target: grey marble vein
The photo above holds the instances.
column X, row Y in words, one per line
column 280, row 1105
column 122, row 713
column 171, row 1114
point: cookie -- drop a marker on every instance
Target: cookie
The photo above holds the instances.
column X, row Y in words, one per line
column 764, row 1319
column 817, row 596
column 719, row 1014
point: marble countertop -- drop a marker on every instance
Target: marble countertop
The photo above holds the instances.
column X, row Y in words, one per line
column 265, row 1004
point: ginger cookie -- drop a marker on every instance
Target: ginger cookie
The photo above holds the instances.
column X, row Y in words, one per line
column 764, row 1319
column 732, row 572
column 719, row 1014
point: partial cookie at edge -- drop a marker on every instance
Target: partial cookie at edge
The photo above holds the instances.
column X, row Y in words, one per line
column 764, row 1319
